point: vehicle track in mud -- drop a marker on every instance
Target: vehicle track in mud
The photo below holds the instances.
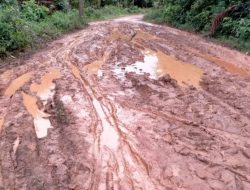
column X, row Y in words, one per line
column 125, row 104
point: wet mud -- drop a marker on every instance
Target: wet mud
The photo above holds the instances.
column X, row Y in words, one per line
column 124, row 105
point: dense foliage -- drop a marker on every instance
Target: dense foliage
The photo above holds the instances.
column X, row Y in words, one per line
column 224, row 19
column 27, row 24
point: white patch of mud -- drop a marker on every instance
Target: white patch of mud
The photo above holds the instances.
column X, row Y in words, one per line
column 41, row 126
column 66, row 99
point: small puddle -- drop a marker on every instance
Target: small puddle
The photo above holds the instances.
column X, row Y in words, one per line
column 184, row 73
column 44, row 90
column 109, row 136
column 95, row 67
column 17, row 83
column 41, row 124
column 143, row 35
column 116, row 34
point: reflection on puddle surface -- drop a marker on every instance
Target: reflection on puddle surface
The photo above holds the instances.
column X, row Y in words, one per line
column 159, row 64
column 41, row 124
column 43, row 90
column 17, row 83
column 148, row 66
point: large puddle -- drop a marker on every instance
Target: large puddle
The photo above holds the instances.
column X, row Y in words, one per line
column 158, row 64
column 44, row 90
column 41, row 124
column 17, row 83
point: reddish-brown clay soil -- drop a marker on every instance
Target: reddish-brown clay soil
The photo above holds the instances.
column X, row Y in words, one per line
column 126, row 105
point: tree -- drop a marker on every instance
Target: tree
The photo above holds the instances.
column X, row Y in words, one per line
column 81, row 2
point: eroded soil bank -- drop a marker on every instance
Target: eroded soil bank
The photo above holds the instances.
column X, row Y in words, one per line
column 126, row 105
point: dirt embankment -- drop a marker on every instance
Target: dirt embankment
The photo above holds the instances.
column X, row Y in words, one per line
column 127, row 105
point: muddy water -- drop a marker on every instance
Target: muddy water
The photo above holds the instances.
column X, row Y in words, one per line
column 95, row 67
column 158, row 64
column 109, row 136
column 143, row 35
column 184, row 73
column 226, row 65
column 147, row 67
column 41, row 124
column 43, row 90
column 17, row 83
column 116, row 35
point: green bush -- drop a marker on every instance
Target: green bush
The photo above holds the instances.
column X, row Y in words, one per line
column 172, row 14
column 243, row 29
column 33, row 12
column 32, row 25
column 198, row 15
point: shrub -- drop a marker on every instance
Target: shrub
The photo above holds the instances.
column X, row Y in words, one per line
column 33, row 12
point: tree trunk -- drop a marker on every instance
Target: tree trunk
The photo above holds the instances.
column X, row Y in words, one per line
column 81, row 8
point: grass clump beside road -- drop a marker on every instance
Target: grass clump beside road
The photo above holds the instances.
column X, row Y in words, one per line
column 224, row 21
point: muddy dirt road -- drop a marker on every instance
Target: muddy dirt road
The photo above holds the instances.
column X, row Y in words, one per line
column 126, row 105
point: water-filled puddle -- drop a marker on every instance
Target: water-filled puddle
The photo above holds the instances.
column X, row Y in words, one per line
column 95, row 67
column 158, row 64
column 149, row 67
column 44, row 90
column 226, row 65
column 116, row 34
column 17, row 83
column 109, row 136
column 183, row 73
column 75, row 71
column 41, row 124
column 143, row 35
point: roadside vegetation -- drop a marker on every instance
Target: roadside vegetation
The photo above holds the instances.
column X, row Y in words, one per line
column 227, row 21
column 30, row 24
